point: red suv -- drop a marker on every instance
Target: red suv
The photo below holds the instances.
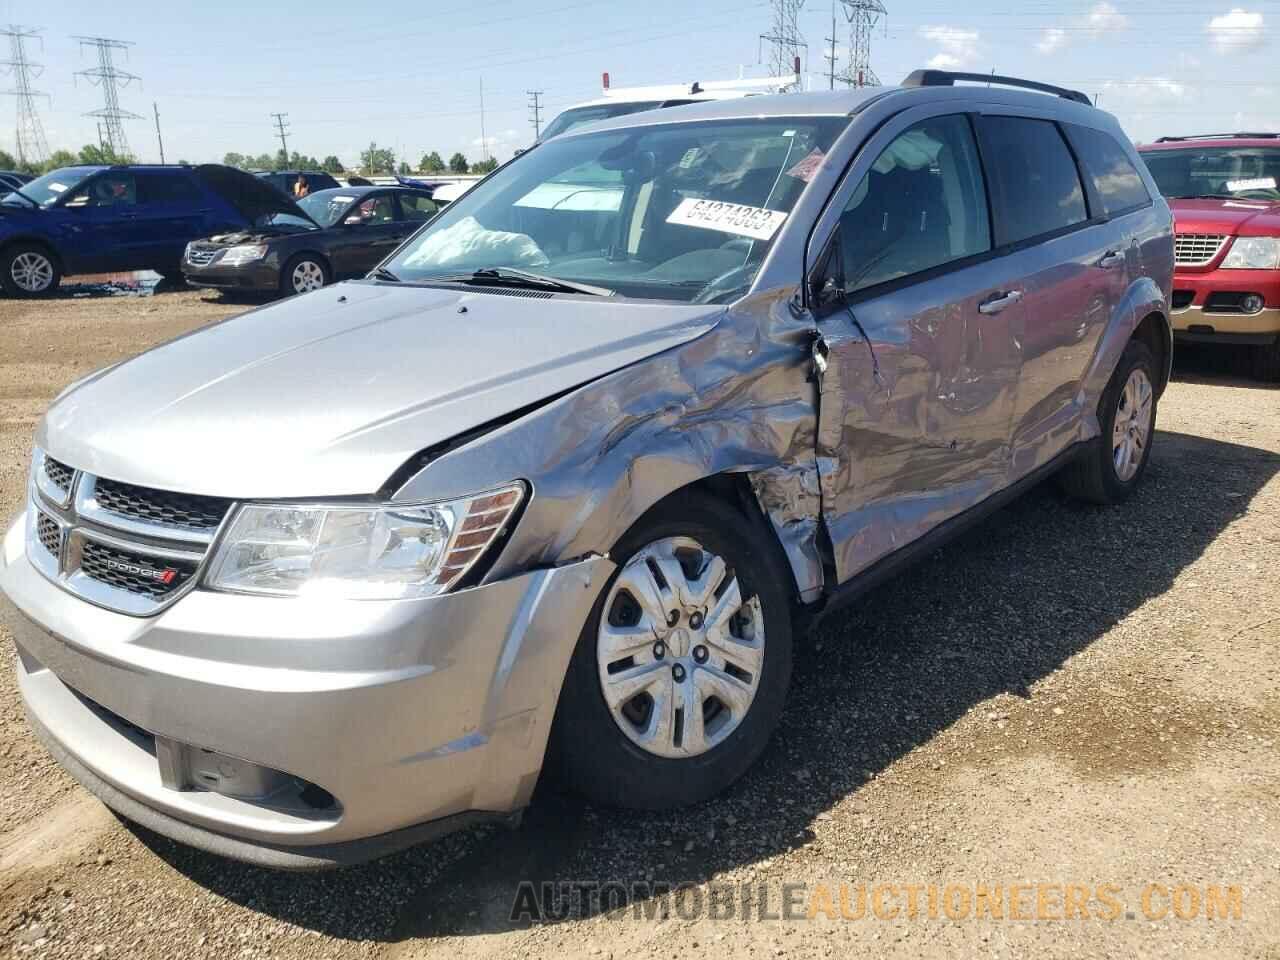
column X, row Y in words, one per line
column 1225, row 193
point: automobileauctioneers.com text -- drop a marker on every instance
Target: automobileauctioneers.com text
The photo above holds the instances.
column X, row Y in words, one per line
column 870, row 902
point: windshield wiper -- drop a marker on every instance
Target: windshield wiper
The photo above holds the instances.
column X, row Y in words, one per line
column 382, row 273
column 509, row 277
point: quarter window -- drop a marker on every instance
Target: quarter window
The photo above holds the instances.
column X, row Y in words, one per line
column 1118, row 184
column 922, row 204
column 1035, row 186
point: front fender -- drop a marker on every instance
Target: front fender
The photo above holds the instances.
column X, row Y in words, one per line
column 1143, row 298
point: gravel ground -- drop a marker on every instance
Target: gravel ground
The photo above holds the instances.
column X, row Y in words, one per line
column 1065, row 695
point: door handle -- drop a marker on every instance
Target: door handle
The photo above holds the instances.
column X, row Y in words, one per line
column 1112, row 258
column 999, row 301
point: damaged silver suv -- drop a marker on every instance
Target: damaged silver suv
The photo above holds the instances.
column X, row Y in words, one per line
column 547, row 489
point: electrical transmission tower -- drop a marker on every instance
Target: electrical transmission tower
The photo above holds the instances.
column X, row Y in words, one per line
column 785, row 39
column 535, row 112
column 32, row 147
column 282, row 126
column 862, row 15
column 107, row 76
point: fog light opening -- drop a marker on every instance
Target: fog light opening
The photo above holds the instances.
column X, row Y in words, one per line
column 1252, row 303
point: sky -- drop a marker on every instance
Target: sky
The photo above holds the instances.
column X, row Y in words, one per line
column 410, row 75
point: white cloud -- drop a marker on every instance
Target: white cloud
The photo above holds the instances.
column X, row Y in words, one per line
column 1146, row 90
column 1053, row 39
column 959, row 46
column 1237, row 31
column 1104, row 18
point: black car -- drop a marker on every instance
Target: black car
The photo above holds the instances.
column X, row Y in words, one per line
column 297, row 247
column 286, row 180
column 12, row 179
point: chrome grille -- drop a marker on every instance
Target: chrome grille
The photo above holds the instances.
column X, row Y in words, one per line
column 48, row 533
column 1196, row 249
column 160, row 506
column 202, row 257
column 134, row 572
column 58, row 473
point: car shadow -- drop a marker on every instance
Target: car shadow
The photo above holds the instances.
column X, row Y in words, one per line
column 992, row 612
column 1217, row 364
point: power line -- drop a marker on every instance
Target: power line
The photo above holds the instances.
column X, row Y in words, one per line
column 109, row 78
column 32, row 146
column 862, row 16
column 535, row 117
column 282, row 128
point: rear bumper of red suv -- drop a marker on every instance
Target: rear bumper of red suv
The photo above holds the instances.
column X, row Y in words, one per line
column 1211, row 306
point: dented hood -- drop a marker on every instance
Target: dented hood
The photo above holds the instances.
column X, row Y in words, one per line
column 328, row 394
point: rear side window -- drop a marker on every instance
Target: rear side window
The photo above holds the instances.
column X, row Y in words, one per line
column 166, row 188
column 1035, row 188
column 1117, row 182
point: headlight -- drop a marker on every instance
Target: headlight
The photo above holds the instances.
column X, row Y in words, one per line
column 385, row 552
column 1253, row 253
column 244, row 253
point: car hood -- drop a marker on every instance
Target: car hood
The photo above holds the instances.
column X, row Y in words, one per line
column 252, row 196
column 1228, row 217
column 254, row 235
column 330, row 393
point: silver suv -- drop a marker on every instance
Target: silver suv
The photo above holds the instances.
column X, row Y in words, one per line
column 549, row 488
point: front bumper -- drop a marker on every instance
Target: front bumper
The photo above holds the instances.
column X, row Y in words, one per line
column 411, row 716
column 260, row 275
column 1203, row 312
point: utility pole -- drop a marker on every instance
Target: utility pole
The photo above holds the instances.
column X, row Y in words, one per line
column 32, row 147
column 536, row 112
column 831, row 57
column 280, row 119
column 109, row 78
column 156, row 109
column 862, row 16
column 484, row 142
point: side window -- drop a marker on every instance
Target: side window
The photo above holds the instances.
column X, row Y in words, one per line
column 167, row 189
column 921, row 205
column 374, row 210
column 1035, row 187
column 1117, row 182
column 111, row 189
column 417, row 207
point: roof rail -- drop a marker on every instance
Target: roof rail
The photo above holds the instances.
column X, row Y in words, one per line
column 1221, row 136
column 947, row 78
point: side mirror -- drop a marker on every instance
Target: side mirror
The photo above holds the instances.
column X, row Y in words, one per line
column 826, row 283
column 353, row 221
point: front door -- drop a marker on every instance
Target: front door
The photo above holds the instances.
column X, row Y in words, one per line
column 367, row 232
column 922, row 363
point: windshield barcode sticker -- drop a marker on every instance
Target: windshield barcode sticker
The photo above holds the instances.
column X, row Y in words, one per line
column 1258, row 183
column 735, row 218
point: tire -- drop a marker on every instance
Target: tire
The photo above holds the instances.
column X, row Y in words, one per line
column 1095, row 475
column 29, row 270
column 592, row 750
column 1266, row 362
column 304, row 264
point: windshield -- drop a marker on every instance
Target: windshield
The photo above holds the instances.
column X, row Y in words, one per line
column 325, row 206
column 1247, row 173
column 47, row 189
column 577, row 116
column 683, row 211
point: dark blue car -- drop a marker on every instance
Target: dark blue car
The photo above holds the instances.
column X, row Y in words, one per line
column 98, row 219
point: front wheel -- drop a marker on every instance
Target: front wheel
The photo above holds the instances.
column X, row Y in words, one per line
column 29, row 270
column 1112, row 465
column 302, row 274
column 681, row 671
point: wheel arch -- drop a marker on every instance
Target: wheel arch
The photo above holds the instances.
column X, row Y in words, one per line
column 36, row 240
column 1155, row 331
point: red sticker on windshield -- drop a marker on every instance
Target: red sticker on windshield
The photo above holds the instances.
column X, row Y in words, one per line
column 806, row 168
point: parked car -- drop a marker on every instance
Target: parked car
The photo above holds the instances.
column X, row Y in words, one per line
column 338, row 575
column 12, row 179
column 97, row 219
column 1224, row 189
column 295, row 248
column 286, row 181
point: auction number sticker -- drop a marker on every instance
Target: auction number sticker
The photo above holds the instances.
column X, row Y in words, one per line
column 735, row 218
column 1258, row 183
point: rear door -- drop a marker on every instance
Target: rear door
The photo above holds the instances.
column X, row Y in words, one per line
column 917, row 398
column 1062, row 252
column 170, row 212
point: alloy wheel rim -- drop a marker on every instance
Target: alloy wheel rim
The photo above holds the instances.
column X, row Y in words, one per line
column 31, row 271
column 1131, row 431
column 679, row 651
column 307, row 276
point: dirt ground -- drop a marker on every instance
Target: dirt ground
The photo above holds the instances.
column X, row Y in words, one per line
column 1074, row 705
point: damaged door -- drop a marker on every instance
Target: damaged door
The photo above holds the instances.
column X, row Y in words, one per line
column 917, row 332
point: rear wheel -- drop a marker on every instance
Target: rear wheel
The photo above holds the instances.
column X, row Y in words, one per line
column 1113, row 463
column 1266, row 361
column 681, row 671
column 304, row 273
column 29, row 270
